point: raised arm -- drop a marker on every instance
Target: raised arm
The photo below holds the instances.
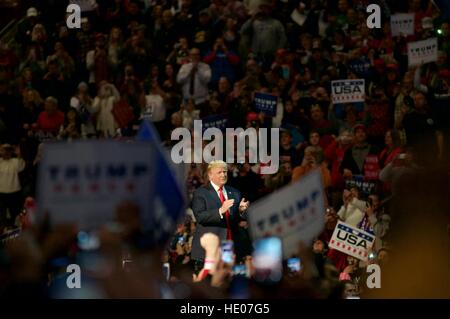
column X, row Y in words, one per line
column 184, row 73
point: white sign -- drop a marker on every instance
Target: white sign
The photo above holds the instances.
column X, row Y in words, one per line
column 424, row 51
column 83, row 182
column 347, row 91
column 351, row 241
column 295, row 213
column 85, row 5
column 402, row 24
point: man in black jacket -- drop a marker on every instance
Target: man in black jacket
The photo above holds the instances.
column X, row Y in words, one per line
column 218, row 210
column 355, row 157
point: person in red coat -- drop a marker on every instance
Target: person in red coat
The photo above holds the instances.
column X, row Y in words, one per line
column 392, row 149
column 51, row 119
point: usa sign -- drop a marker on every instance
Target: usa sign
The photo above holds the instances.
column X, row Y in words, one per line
column 295, row 213
column 347, row 91
column 351, row 241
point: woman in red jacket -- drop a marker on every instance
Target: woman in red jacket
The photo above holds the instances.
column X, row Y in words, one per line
column 334, row 154
column 389, row 153
column 392, row 149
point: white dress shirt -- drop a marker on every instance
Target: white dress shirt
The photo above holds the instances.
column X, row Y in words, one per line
column 216, row 188
column 201, row 80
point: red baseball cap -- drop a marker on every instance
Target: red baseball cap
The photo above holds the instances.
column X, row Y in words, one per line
column 379, row 62
column 281, row 52
column 392, row 66
column 252, row 116
column 359, row 126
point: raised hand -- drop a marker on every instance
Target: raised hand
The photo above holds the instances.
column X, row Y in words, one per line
column 243, row 205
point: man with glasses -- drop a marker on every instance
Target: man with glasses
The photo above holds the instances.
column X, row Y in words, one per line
column 194, row 78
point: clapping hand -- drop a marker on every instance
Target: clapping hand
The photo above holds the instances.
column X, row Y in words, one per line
column 243, row 205
column 226, row 205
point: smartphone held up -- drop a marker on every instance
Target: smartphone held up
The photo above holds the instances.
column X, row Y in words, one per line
column 267, row 260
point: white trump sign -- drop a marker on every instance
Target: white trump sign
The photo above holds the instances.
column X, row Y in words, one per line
column 295, row 213
column 424, row 51
column 83, row 182
column 402, row 24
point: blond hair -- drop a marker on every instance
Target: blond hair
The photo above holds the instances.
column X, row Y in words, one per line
column 217, row 163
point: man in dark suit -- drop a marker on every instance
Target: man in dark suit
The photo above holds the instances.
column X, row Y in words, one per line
column 218, row 209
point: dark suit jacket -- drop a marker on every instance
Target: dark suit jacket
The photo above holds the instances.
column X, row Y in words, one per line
column 205, row 205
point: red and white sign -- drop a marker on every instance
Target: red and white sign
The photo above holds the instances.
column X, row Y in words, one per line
column 371, row 167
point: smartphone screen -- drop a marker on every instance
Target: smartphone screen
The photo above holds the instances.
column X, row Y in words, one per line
column 285, row 72
column 166, row 271
column 267, row 260
column 127, row 265
column 293, row 265
column 227, row 251
column 87, row 241
column 239, row 270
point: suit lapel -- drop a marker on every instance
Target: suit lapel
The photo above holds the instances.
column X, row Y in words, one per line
column 214, row 194
column 230, row 195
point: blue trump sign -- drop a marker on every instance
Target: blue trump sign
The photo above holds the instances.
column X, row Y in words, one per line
column 218, row 121
column 266, row 103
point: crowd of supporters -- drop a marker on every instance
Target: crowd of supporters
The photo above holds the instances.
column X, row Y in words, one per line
column 173, row 62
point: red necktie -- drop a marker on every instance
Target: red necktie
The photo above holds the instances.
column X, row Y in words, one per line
column 227, row 214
